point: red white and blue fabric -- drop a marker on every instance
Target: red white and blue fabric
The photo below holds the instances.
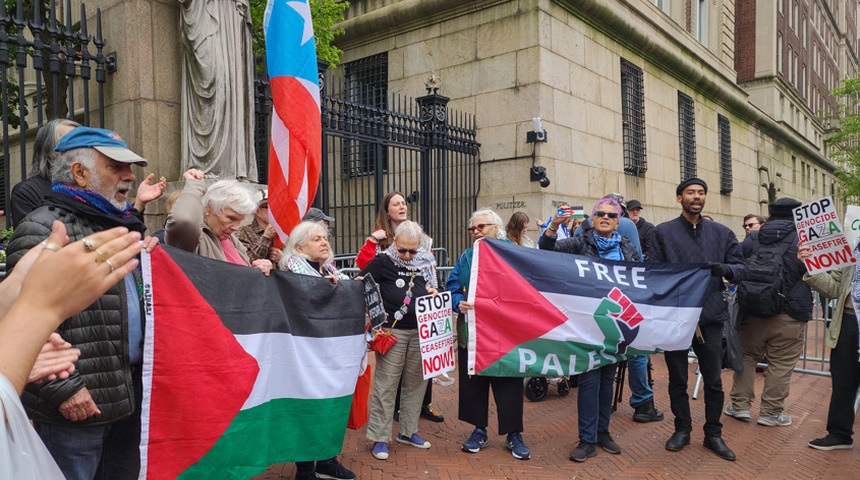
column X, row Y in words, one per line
column 545, row 313
column 296, row 143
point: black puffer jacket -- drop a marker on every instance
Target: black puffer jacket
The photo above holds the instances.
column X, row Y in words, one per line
column 100, row 331
column 798, row 293
column 584, row 244
column 679, row 241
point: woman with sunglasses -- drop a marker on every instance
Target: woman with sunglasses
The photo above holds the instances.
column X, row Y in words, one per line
column 392, row 212
column 594, row 395
column 403, row 273
column 475, row 390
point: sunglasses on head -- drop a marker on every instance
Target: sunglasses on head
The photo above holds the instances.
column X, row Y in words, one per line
column 750, row 225
column 606, row 214
column 404, row 251
column 480, row 226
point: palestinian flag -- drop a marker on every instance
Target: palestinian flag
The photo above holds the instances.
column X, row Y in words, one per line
column 545, row 313
column 242, row 371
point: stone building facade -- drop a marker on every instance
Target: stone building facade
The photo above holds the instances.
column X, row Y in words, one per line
column 634, row 95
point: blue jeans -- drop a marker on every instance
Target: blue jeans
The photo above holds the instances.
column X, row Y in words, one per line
column 594, row 402
column 109, row 452
column 637, row 379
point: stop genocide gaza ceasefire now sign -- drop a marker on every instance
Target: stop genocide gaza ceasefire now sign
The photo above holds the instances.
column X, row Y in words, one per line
column 819, row 228
column 435, row 333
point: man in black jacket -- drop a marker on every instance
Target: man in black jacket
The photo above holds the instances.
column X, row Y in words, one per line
column 90, row 421
column 634, row 210
column 780, row 336
column 689, row 239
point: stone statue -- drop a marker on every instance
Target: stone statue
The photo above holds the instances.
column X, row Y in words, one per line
column 218, row 89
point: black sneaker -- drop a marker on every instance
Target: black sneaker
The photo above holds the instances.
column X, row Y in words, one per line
column 830, row 442
column 646, row 412
column 307, row 476
column 583, row 451
column 604, row 439
column 333, row 470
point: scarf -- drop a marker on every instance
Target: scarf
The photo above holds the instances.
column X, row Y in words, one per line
column 423, row 263
column 609, row 248
column 97, row 209
column 302, row 266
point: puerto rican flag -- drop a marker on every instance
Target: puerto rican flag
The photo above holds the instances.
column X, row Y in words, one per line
column 545, row 313
column 296, row 145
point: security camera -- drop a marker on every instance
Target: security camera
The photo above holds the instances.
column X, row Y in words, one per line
column 538, row 174
column 538, row 134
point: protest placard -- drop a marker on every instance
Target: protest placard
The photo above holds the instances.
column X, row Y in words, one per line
column 819, row 228
column 435, row 333
column 852, row 224
column 373, row 301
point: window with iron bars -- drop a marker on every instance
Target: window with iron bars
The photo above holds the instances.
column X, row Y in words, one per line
column 725, row 133
column 366, row 87
column 687, row 135
column 633, row 119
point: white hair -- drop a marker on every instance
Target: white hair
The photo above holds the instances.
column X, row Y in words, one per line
column 494, row 218
column 299, row 236
column 408, row 230
column 229, row 194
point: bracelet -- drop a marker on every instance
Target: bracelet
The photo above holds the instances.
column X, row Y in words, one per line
column 373, row 239
column 552, row 229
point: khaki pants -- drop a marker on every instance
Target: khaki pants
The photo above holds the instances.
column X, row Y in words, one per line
column 780, row 340
column 403, row 359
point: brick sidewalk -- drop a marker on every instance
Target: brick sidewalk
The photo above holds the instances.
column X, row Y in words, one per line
column 763, row 452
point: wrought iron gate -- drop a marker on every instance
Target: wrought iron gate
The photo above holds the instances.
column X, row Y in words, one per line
column 419, row 148
column 46, row 64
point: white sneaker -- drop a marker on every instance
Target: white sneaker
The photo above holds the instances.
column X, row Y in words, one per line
column 781, row 420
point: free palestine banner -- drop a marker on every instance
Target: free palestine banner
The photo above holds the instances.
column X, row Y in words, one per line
column 242, row 371
column 546, row 313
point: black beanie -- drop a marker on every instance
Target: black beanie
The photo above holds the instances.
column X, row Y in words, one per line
column 691, row 181
column 783, row 208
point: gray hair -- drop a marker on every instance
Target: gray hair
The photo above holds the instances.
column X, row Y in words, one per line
column 408, row 230
column 46, row 141
column 229, row 194
column 299, row 236
column 494, row 218
column 62, row 170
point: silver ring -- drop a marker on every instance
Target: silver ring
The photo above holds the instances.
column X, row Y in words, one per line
column 88, row 244
column 50, row 246
column 109, row 264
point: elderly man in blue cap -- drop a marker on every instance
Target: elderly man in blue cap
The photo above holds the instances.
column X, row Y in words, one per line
column 90, row 421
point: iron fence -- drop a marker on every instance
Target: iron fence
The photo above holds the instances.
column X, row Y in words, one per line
column 375, row 143
column 46, row 65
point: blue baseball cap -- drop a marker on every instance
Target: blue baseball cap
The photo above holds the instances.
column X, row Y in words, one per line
column 106, row 142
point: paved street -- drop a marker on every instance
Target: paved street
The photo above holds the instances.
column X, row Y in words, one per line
column 763, row 452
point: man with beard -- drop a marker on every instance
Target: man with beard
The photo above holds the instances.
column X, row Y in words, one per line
column 690, row 239
column 90, row 421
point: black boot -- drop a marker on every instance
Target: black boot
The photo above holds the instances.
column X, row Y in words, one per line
column 647, row 413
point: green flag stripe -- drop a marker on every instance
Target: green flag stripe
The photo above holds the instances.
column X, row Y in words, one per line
column 278, row 431
column 544, row 357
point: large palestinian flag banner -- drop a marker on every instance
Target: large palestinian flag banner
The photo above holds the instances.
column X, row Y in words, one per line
column 242, row 371
column 546, row 313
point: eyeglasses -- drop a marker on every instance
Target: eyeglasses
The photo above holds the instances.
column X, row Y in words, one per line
column 750, row 225
column 606, row 214
column 479, row 227
column 404, row 251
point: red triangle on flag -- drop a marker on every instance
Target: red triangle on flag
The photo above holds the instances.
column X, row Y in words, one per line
column 201, row 376
column 526, row 313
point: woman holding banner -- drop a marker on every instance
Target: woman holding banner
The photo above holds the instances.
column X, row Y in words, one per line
column 594, row 395
column 404, row 271
column 309, row 253
column 475, row 390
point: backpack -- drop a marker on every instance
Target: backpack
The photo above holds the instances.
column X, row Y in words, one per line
column 762, row 293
